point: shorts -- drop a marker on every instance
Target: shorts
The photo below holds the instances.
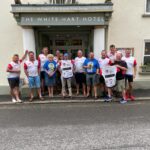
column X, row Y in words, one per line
column 120, row 85
column 42, row 75
column 50, row 81
column 92, row 79
column 102, row 80
column 80, row 78
column 129, row 78
column 34, row 82
column 13, row 82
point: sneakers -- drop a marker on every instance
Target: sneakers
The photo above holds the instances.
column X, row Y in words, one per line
column 123, row 101
column 14, row 100
column 132, row 97
column 108, row 99
column 19, row 101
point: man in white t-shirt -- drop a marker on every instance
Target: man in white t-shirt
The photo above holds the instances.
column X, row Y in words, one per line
column 80, row 72
column 112, row 54
column 14, row 70
column 130, row 73
column 32, row 71
column 42, row 60
column 104, row 62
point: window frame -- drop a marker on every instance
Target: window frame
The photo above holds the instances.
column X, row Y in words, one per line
column 146, row 12
column 145, row 41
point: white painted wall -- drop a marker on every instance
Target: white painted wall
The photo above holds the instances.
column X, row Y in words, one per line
column 128, row 28
column 99, row 41
column 28, row 39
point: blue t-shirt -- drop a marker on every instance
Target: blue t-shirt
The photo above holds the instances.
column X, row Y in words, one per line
column 50, row 66
column 94, row 65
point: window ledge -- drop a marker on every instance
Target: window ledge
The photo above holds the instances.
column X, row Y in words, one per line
column 146, row 15
column 144, row 73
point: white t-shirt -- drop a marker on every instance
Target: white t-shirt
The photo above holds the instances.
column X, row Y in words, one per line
column 14, row 67
column 32, row 68
column 104, row 62
column 66, row 67
column 42, row 58
column 131, row 62
column 79, row 64
column 112, row 57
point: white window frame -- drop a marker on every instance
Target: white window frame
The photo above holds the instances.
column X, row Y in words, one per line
column 145, row 41
column 146, row 8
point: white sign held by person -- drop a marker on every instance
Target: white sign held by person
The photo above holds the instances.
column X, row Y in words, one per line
column 109, row 74
column 67, row 69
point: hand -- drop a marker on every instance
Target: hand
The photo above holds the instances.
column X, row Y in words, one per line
column 26, row 52
column 50, row 74
column 134, row 76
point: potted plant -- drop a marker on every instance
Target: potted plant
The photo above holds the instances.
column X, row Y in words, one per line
column 145, row 68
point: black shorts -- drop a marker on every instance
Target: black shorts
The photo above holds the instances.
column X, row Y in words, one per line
column 129, row 78
column 42, row 75
column 80, row 78
column 13, row 82
column 102, row 80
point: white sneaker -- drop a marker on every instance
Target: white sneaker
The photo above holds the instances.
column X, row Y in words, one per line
column 13, row 100
column 19, row 101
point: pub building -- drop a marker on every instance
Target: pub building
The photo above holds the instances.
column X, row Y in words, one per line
column 69, row 25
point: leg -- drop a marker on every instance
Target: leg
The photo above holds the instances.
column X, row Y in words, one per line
column 49, row 91
column 84, row 89
column 95, row 91
column 69, row 86
column 64, row 86
column 77, row 85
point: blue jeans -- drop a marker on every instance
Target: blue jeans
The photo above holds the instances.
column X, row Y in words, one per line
column 34, row 82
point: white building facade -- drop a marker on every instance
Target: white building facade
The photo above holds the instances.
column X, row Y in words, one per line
column 69, row 25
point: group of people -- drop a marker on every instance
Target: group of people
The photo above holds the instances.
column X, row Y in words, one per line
column 89, row 73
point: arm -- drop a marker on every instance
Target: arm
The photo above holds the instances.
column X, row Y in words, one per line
column 122, row 68
column 98, row 68
column 9, row 69
column 24, row 56
column 25, row 70
column 134, row 68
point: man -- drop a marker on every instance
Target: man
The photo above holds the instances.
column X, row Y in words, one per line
column 57, row 57
column 32, row 71
column 42, row 59
column 80, row 72
column 104, row 62
column 91, row 66
column 112, row 54
column 66, row 68
column 14, row 70
column 120, row 76
column 130, row 73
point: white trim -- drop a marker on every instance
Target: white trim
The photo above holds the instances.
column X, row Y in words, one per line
column 146, row 40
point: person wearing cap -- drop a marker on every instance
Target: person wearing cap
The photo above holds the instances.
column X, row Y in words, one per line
column 92, row 67
column 66, row 68
column 50, row 68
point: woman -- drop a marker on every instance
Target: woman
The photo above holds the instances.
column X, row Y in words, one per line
column 66, row 67
column 50, row 68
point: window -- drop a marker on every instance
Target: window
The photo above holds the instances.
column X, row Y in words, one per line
column 147, row 53
column 148, row 6
column 62, row 1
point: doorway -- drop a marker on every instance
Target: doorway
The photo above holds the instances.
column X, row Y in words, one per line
column 64, row 39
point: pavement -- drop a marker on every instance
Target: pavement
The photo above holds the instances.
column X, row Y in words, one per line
column 139, row 94
column 75, row 126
